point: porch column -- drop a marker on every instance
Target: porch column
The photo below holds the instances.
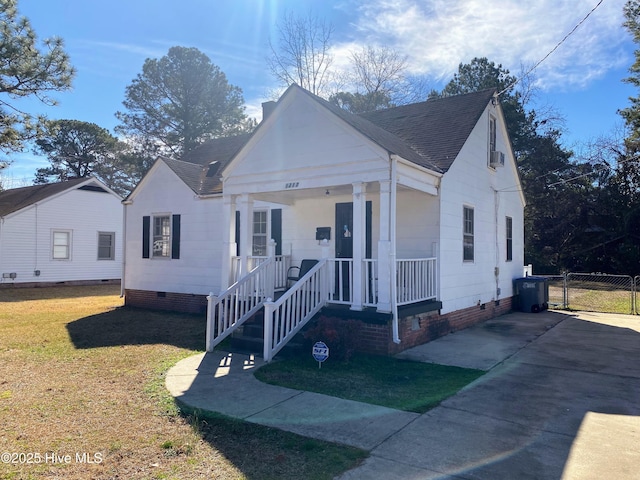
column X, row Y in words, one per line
column 246, row 222
column 384, row 249
column 228, row 240
column 359, row 243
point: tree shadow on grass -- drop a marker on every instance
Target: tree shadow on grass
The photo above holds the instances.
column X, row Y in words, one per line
column 135, row 326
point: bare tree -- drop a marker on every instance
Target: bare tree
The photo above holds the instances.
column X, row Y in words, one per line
column 378, row 69
column 380, row 80
column 302, row 54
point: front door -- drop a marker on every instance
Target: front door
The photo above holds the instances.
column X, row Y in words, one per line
column 344, row 245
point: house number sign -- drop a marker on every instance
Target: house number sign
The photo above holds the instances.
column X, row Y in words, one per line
column 291, row 185
column 320, row 352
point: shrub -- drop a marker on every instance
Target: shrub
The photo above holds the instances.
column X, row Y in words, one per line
column 341, row 336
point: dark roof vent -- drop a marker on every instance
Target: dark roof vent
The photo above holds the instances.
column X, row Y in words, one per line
column 92, row 188
column 213, row 168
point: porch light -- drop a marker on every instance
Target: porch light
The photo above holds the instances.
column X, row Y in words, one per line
column 327, row 192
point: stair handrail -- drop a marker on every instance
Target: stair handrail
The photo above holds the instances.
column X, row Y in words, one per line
column 227, row 311
column 285, row 317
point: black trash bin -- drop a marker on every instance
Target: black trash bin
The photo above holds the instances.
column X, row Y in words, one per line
column 531, row 293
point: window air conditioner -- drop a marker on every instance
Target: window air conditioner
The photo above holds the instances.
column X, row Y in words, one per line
column 497, row 159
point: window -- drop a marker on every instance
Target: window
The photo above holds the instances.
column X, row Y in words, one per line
column 509, row 235
column 106, row 245
column 492, row 135
column 467, row 240
column 162, row 236
column 61, row 245
column 259, row 248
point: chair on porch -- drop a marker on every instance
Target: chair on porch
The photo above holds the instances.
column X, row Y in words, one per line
column 306, row 265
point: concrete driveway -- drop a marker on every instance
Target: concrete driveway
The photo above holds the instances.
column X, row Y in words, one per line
column 561, row 400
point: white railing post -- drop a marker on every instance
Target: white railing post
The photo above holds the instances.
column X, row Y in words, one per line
column 416, row 280
column 239, row 302
column 211, row 300
column 285, row 317
column 270, row 278
column 269, row 308
column 356, row 277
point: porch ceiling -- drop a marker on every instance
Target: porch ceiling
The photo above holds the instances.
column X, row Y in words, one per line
column 289, row 197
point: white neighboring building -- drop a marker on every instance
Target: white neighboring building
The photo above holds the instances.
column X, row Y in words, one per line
column 65, row 232
column 421, row 207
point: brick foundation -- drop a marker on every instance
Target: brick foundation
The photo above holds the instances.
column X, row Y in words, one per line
column 168, row 301
column 417, row 329
column 376, row 336
column 68, row 283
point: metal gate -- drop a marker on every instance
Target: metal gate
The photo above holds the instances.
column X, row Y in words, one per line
column 600, row 292
column 596, row 292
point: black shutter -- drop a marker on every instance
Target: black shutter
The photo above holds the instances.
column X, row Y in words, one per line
column 175, row 237
column 368, row 215
column 276, row 228
column 146, row 231
column 237, row 233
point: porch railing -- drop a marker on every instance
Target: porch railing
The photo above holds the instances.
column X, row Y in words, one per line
column 281, row 266
column 284, row 318
column 340, row 280
column 229, row 310
column 416, row 280
column 370, row 282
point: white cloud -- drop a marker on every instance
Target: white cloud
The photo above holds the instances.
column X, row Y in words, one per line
column 438, row 35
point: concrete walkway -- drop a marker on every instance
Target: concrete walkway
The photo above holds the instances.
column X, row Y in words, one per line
column 561, row 399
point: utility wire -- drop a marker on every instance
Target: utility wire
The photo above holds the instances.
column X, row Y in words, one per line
column 596, row 169
column 553, row 49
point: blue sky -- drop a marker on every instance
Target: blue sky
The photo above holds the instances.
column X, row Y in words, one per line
column 109, row 41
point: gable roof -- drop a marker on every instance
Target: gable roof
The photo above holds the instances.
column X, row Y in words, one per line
column 386, row 138
column 435, row 129
column 429, row 134
column 18, row 198
column 199, row 168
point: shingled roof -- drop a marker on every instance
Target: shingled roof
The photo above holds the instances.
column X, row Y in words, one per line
column 199, row 168
column 18, row 198
column 435, row 129
column 430, row 134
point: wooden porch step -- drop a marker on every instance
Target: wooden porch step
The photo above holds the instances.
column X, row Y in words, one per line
column 255, row 346
column 249, row 339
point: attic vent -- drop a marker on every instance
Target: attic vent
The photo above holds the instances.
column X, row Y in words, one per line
column 213, row 168
column 497, row 159
column 93, row 188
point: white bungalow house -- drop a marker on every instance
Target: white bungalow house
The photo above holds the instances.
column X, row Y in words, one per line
column 66, row 232
column 414, row 215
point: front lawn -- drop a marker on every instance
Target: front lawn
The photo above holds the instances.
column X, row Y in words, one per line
column 394, row 383
column 82, row 379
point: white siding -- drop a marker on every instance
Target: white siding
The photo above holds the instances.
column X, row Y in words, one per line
column 299, row 223
column 493, row 194
column 26, row 238
column 197, row 270
column 302, row 143
column 417, row 225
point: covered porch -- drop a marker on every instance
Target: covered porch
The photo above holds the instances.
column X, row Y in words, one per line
column 372, row 230
column 350, row 230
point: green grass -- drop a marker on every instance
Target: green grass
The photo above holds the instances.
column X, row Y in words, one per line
column 400, row 384
column 600, row 300
column 269, row 454
column 82, row 373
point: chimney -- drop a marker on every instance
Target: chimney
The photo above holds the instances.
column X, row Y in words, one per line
column 267, row 108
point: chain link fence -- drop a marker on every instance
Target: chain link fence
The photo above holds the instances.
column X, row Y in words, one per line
column 596, row 292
